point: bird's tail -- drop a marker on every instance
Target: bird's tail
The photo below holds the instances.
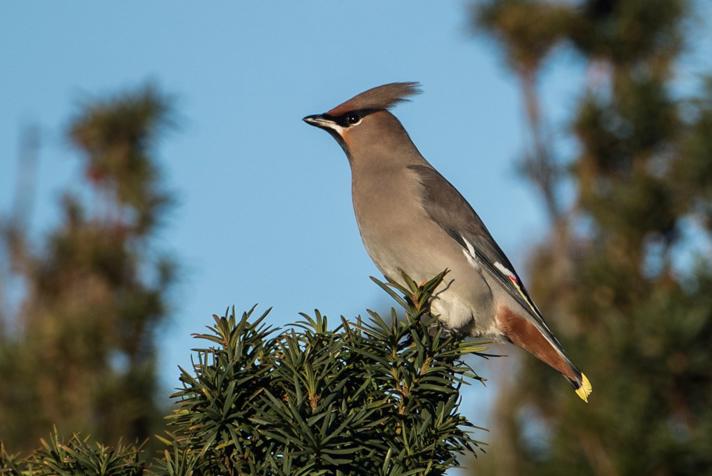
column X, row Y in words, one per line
column 584, row 388
column 538, row 341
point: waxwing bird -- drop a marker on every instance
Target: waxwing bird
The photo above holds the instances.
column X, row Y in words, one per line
column 413, row 220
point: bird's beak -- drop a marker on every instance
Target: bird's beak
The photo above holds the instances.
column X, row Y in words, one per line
column 319, row 120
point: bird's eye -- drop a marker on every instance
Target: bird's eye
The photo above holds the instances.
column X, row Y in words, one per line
column 352, row 118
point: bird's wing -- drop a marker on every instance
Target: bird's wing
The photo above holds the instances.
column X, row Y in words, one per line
column 448, row 208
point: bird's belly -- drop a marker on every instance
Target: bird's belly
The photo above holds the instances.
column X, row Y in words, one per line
column 464, row 299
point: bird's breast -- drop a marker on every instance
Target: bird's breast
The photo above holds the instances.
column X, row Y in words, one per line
column 392, row 221
column 400, row 236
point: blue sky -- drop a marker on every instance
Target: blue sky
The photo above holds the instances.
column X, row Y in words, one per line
column 264, row 209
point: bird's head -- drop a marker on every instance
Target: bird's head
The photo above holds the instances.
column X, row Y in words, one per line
column 364, row 120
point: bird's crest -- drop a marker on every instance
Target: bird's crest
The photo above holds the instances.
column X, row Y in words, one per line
column 380, row 97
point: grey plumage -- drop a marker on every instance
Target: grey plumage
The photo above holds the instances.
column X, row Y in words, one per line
column 449, row 209
column 413, row 220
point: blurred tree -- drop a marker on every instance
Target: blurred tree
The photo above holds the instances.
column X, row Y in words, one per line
column 623, row 274
column 80, row 352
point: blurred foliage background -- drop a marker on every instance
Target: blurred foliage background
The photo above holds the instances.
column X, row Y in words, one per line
column 624, row 274
column 78, row 350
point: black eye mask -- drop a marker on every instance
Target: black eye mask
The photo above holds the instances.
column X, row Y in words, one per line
column 350, row 118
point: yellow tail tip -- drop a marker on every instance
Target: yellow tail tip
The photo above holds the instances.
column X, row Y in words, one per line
column 585, row 389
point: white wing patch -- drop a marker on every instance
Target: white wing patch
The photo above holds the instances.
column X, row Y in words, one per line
column 470, row 254
column 510, row 275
